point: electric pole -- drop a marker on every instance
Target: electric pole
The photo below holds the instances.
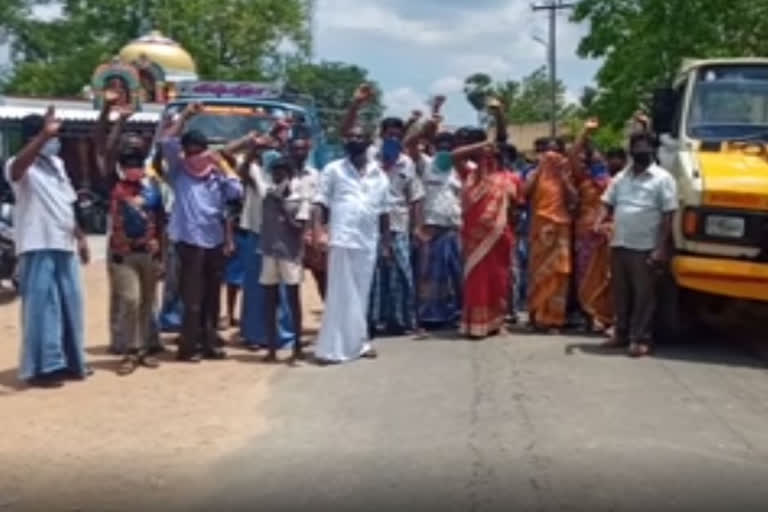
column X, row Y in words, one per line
column 553, row 6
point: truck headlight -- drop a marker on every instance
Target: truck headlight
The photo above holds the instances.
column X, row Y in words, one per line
column 725, row 226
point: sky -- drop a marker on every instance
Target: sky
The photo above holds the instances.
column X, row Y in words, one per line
column 418, row 48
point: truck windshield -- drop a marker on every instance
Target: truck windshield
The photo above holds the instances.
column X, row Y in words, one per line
column 223, row 123
column 730, row 102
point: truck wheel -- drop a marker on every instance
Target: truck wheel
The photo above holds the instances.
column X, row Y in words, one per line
column 670, row 323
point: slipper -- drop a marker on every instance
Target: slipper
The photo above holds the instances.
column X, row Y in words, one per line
column 638, row 350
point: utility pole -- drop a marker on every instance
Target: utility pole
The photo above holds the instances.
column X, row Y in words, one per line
column 553, row 6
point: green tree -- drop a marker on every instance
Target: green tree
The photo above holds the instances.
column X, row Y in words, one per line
column 332, row 85
column 643, row 43
column 229, row 39
column 527, row 101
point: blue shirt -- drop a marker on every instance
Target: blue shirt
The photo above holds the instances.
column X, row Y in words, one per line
column 200, row 204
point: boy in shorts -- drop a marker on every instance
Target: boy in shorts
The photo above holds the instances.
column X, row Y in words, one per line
column 286, row 211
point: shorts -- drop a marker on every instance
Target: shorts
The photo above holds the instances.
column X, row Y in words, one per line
column 276, row 271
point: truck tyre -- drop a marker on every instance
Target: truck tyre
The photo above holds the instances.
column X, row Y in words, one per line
column 669, row 321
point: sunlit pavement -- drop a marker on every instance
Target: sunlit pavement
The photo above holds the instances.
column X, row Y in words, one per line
column 520, row 422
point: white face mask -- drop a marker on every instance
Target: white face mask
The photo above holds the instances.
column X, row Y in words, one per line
column 51, row 148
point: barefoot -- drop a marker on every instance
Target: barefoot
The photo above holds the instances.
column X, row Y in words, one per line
column 270, row 358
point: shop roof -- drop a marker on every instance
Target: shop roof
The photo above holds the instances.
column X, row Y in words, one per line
column 17, row 113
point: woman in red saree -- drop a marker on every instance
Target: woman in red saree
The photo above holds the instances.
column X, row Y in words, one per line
column 489, row 195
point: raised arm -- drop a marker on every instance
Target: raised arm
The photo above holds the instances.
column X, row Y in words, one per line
column 113, row 141
column 29, row 153
column 177, row 127
column 496, row 110
column 363, row 95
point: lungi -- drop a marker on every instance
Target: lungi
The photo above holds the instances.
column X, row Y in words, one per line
column 51, row 314
column 252, row 328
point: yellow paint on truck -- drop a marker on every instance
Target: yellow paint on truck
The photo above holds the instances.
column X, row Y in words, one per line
column 735, row 178
column 730, row 278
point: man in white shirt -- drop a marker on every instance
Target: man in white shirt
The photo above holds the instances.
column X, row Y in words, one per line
column 393, row 294
column 642, row 199
column 355, row 191
column 439, row 273
column 47, row 237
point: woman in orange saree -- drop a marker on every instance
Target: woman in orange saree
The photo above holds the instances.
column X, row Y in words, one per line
column 488, row 197
column 593, row 278
column 551, row 193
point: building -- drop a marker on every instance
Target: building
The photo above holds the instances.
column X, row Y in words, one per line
column 79, row 115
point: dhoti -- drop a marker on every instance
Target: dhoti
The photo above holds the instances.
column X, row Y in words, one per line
column 344, row 333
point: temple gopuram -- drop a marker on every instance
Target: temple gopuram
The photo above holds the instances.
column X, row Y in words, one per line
column 144, row 74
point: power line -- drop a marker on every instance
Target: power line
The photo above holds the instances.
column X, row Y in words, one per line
column 553, row 6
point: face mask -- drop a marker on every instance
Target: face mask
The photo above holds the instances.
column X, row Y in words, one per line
column 355, row 148
column 390, row 150
column 443, row 161
column 269, row 157
column 51, row 147
column 598, row 170
column 642, row 158
column 131, row 173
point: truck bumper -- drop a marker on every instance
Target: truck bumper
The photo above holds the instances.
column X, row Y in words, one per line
column 738, row 279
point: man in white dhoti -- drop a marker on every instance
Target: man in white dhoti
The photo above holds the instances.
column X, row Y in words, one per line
column 355, row 191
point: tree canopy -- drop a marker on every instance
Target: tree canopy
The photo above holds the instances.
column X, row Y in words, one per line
column 526, row 101
column 332, row 85
column 643, row 43
column 229, row 39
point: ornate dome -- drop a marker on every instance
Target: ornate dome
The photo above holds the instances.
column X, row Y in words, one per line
column 174, row 59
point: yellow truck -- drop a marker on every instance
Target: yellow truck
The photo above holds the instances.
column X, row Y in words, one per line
column 713, row 137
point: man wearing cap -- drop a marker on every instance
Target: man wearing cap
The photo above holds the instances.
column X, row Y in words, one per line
column 202, row 188
column 47, row 235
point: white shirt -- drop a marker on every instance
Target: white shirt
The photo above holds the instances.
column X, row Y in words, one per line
column 639, row 201
column 44, row 213
column 250, row 219
column 356, row 201
column 405, row 189
column 442, row 196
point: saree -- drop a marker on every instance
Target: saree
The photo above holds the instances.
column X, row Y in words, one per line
column 592, row 269
column 487, row 242
column 549, row 265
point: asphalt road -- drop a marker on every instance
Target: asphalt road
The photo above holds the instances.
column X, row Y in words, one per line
column 518, row 423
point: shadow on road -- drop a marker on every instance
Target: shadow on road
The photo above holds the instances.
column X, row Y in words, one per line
column 723, row 350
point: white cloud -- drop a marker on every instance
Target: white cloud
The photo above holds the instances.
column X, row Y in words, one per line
column 403, row 100
column 447, row 85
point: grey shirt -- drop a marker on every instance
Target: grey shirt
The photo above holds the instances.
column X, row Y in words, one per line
column 285, row 210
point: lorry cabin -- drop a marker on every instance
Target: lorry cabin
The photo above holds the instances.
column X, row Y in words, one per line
column 713, row 127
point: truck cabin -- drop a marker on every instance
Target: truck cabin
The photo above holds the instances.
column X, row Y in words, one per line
column 715, row 101
column 231, row 111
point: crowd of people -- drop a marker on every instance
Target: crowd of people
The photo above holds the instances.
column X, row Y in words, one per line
column 416, row 230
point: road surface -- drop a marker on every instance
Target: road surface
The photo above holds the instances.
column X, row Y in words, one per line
column 516, row 423
column 522, row 423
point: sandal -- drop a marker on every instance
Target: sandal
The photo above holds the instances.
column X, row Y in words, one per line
column 638, row 350
column 149, row 361
column 128, row 365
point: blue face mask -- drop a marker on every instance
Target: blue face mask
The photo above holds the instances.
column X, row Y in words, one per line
column 391, row 149
column 443, row 161
column 268, row 157
column 598, row 170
